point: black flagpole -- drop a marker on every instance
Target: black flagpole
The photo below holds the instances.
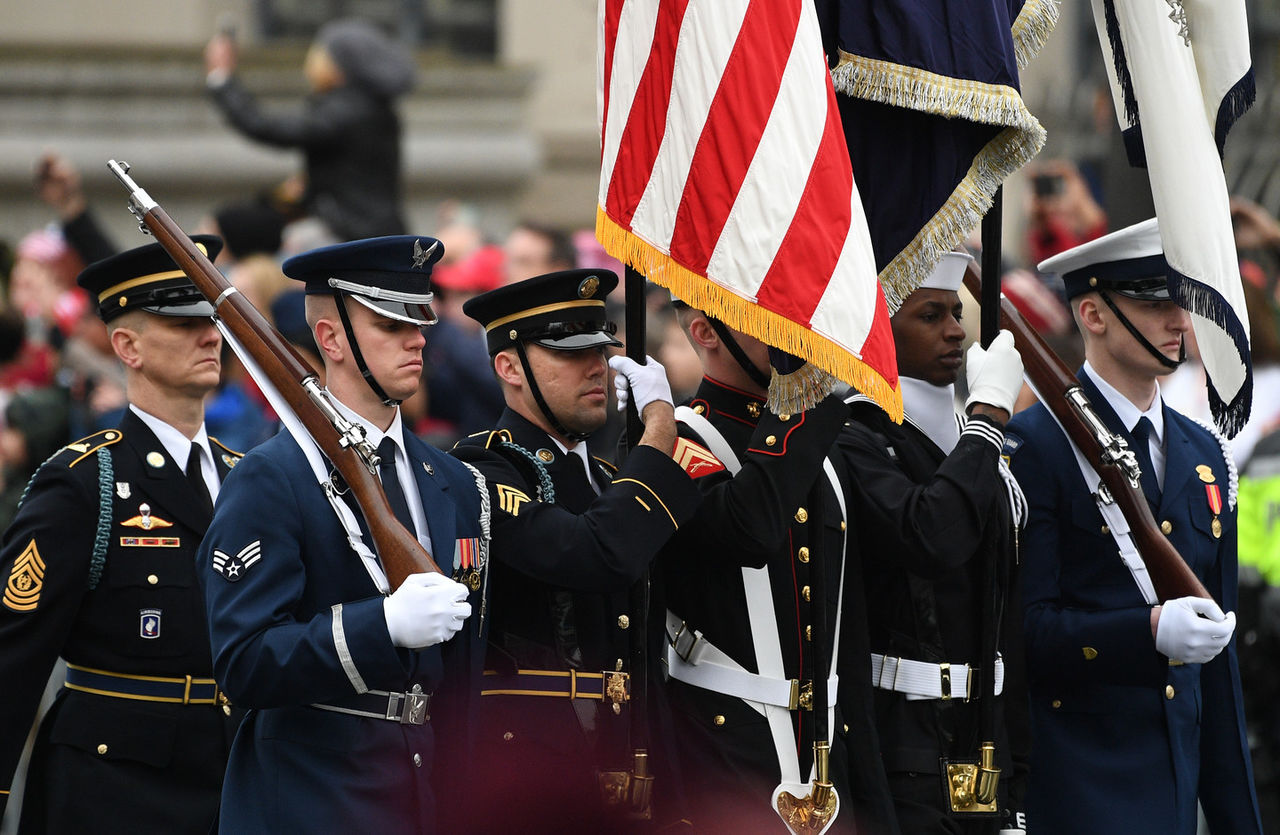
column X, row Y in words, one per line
column 990, row 300
column 642, row 771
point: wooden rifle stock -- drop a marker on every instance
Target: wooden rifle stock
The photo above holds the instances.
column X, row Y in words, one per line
column 1062, row 395
column 297, row 382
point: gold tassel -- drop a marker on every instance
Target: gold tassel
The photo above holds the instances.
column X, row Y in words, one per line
column 746, row 316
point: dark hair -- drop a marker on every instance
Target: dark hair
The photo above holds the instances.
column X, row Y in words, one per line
column 563, row 253
column 13, row 333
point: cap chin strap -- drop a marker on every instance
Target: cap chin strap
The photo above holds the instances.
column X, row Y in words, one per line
column 1142, row 340
column 757, row 376
column 541, row 401
column 341, row 297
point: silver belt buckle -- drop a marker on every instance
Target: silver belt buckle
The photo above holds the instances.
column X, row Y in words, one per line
column 682, row 632
column 414, row 709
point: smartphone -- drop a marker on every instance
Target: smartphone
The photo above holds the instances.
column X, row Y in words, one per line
column 1047, row 185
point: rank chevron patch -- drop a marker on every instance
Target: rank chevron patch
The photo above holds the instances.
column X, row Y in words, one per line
column 22, row 592
column 695, row 459
column 233, row 568
column 510, row 499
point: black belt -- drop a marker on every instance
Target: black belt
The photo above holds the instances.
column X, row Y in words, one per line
column 186, row 690
column 408, row 708
column 609, row 687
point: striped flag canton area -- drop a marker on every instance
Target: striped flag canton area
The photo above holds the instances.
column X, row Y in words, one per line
column 725, row 177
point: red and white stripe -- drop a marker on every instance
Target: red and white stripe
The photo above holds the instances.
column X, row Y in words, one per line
column 722, row 149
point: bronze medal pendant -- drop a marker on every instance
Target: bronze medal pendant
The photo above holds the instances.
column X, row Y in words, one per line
column 1215, row 504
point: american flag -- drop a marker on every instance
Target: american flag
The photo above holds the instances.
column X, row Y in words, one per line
column 725, row 178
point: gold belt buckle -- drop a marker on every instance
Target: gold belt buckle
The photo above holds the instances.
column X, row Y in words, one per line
column 945, row 669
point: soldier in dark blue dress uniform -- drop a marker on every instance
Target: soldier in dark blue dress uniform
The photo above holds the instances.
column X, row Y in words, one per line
column 571, row 534
column 746, row 564
column 347, row 730
column 99, row 569
column 1136, row 707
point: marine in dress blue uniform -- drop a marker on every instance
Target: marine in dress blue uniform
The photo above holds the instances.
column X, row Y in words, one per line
column 756, row 515
column 99, row 569
column 571, row 534
column 347, row 729
column 1127, row 738
column 934, row 517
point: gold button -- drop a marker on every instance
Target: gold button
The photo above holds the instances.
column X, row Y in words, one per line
column 804, row 592
column 846, row 727
column 808, row 633
column 842, row 525
column 623, row 621
column 753, row 409
column 1169, row 692
column 718, row 720
column 102, row 748
column 803, row 554
column 513, row 333
column 508, row 736
column 699, row 409
column 802, row 516
column 1089, row 653
column 152, row 579
column 110, row 436
column 1057, row 703
column 771, row 440
column 1093, row 281
column 1106, row 529
column 784, row 418
column 1167, row 527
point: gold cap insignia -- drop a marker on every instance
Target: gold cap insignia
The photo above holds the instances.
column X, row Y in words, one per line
column 124, row 300
column 1206, row 473
column 587, row 288
column 155, row 459
column 26, row 579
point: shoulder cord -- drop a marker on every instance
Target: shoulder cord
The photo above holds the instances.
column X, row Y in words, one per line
column 1233, row 477
column 482, row 559
column 546, row 490
column 106, row 475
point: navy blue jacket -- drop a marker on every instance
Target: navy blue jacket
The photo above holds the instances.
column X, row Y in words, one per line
column 303, row 625
column 1123, row 741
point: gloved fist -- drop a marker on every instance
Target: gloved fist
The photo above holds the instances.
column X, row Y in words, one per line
column 426, row 610
column 1184, row 635
column 994, row 374
column 644, row 383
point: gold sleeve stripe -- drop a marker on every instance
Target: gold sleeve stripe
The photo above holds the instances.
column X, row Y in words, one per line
column 656, row 498
column 26, row 580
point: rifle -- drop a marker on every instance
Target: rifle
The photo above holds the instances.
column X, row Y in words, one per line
column 1105, row 451
column 341, row 441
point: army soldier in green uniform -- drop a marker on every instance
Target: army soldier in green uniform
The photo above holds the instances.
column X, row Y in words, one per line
column 99, row 569
column 571, row 534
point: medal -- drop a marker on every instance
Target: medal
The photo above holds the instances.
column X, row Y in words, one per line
column 1215, row 504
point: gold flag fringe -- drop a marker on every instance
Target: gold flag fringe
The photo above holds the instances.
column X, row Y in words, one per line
column 1032, row 28
column 744, row 315
column 805, row 388
column 1013, row 147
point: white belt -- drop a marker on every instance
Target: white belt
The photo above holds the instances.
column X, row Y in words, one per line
column 922, row 680
column 694, row 660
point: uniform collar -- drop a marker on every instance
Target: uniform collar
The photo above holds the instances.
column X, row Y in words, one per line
column 728, row 400
column 175, row 443
column 932, row 410
column 372, row 433
column 1128, row 413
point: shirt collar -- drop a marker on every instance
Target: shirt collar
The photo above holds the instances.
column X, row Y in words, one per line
column 932, row 409
column 579, row 449
column 1128, row 413
column 174, row 442
column 373, row 434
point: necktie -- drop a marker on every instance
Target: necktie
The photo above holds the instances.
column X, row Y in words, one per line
column 1142, row 449
column 391, row 483
column 195, row 475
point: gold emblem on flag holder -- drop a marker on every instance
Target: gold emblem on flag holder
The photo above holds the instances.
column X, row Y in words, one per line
column 971, row 786
column 813, row 813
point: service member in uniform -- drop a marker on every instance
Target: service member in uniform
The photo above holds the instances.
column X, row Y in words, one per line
column 1136, row 707
column 935, row 519
column 99, row 567
column 570, row 536
column 743, row 702
column 337, row 670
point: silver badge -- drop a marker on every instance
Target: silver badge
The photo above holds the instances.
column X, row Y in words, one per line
column 421, row 255
column 149, row 624
column 430, row 469
column 123, row 490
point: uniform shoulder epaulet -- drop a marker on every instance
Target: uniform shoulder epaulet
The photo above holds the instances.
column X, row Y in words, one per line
column 1233, row 477
column 87, row 446
column 488, row 438
column 609, row 466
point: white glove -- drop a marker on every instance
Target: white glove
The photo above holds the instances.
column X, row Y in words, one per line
column 994, row 374
column 426, row 610
column 1183, row 635
column 647, row 383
